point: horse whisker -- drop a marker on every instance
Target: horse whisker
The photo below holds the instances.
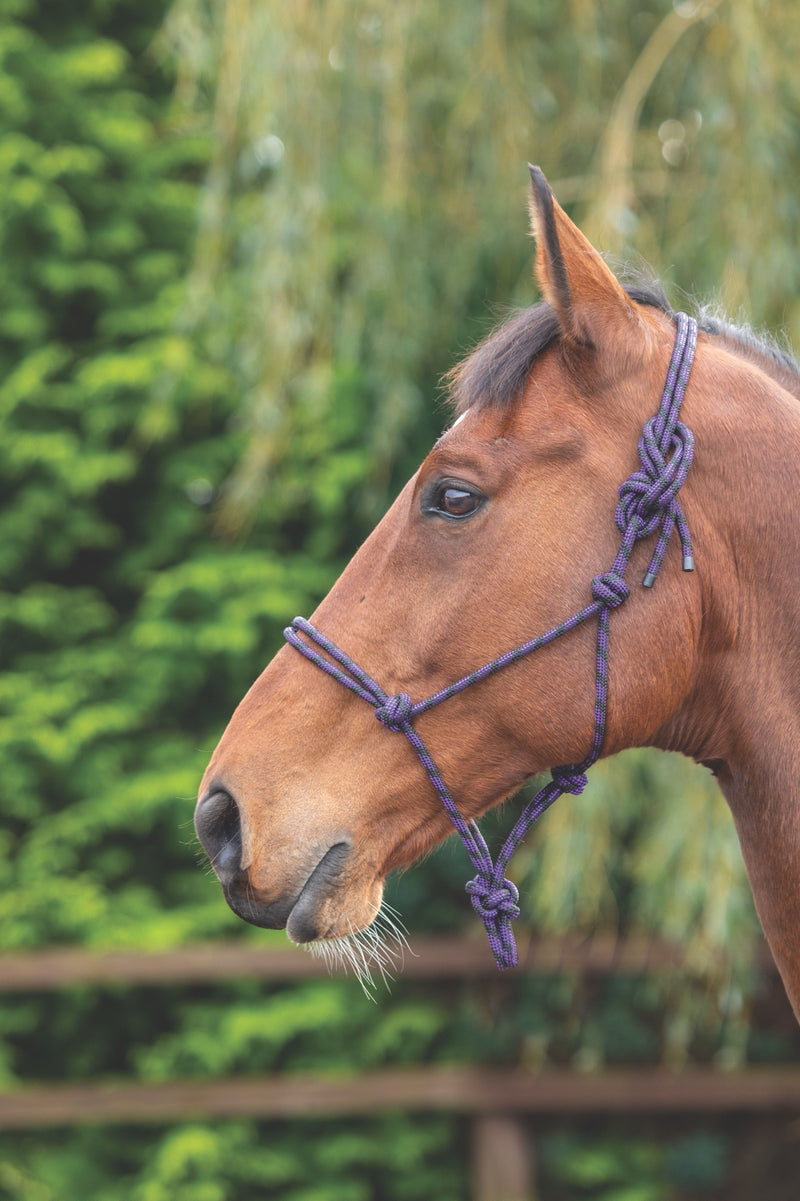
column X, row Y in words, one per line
column 379, row 947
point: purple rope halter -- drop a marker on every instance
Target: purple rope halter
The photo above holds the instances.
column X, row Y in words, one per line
column 647, row 500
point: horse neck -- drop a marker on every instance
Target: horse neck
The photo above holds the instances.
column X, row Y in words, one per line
column 743, row 715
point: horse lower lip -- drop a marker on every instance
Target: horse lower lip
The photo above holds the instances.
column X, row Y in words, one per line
column 267, row 917
column 301, row 925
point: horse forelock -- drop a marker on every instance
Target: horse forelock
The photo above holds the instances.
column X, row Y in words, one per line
column 495, row 372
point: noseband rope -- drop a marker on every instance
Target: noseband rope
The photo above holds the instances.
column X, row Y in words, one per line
column 647, row 499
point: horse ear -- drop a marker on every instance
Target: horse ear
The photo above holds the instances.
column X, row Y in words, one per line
column 588, row 299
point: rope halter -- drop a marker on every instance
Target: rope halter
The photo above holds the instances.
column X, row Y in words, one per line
column 648, row 499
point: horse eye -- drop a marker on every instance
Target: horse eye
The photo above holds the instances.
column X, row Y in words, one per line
column 456, row 502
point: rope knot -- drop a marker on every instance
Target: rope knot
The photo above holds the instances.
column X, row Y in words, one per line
column 610, row 589
column 647, row 495
column 569, row 779
column 395, row 712
column 493, row 900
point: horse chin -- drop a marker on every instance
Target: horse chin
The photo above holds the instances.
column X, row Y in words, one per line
column 336, row 915
column 333, row 903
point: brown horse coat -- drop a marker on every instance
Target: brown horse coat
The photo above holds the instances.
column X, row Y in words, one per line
column 308, row 802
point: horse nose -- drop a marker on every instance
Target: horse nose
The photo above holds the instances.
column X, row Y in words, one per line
column 219, row 828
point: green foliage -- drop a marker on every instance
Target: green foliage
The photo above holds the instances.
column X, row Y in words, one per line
column 97, row 214
column 197, row 430
column 236, row 1161
column 366, row 206
column 147, row 377
column 649, row 845
column 127, row 627
column 627, row 1169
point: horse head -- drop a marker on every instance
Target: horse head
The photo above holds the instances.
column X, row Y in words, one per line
column 309, row 801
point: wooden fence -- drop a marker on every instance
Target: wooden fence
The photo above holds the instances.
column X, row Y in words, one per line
column 431, row 959
column 496, row 1100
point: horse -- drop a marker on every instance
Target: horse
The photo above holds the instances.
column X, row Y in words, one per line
column 502, row 577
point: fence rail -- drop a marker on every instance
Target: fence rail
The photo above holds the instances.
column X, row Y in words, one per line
column 473, row 1091
column 496, row 1101
column 469, row 1091
column 435, row 958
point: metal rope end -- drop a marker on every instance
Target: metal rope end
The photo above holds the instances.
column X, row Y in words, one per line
column 688, row 562
column 649, row 580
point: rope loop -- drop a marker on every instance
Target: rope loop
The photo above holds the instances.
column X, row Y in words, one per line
column 395, row 712
column 610, row 589
column 493, row 900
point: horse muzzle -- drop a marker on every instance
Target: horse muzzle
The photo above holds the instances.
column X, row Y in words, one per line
column 299, row 909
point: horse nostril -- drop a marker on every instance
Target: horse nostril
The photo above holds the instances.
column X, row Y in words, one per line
column 217, row 825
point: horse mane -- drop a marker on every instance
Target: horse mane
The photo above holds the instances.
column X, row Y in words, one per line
column 494, row 373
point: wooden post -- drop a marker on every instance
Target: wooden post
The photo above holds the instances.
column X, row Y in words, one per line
column 502, row 1160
